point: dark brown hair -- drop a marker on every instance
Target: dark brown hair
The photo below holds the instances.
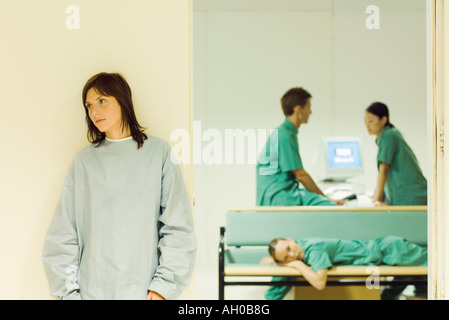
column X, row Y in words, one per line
column 115, row 85
column 292, row 98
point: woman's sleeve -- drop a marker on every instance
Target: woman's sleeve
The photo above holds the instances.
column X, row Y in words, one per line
column 387, row 149
column 176, row 245
column 61, row 251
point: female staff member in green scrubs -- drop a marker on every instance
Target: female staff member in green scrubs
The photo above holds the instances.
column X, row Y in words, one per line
column 400, row 180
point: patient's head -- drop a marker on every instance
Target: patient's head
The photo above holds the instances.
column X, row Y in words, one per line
column 285, row 250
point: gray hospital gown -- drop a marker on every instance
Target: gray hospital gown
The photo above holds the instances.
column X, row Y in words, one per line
column 123, row 225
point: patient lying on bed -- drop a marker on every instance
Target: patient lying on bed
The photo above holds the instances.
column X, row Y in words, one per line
column 314, row 256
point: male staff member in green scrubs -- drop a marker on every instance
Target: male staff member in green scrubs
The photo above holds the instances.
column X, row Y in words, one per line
column 280, row 169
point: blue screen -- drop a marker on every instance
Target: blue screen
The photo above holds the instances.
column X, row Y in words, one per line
column 343, row 155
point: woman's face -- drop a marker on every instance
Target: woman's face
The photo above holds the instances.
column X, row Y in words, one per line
column 374, row 124
column 288, row 250
column 106, row 114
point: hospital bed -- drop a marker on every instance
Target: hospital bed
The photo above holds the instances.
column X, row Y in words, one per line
column 249, row 230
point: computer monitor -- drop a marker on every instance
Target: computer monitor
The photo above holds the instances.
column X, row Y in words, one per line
column 340, row 158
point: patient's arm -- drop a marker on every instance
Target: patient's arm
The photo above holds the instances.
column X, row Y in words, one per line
column 267, row 260
column 317, row 279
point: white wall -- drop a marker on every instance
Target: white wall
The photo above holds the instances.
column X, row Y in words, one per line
column 43, row 69
column 248, row 53
column 388, row 65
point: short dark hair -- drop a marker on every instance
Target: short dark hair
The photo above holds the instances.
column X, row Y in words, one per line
column 272, row 247
column 115, row 85
column 292, row 98
column 380, row 110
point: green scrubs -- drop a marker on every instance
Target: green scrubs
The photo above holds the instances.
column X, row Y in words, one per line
column 276, row 184
column 395, row 251
column 322, row 253
column 406, row 184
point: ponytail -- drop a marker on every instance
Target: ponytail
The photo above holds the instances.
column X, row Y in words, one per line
column 381, row 110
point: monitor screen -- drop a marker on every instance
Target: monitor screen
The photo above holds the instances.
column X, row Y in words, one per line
column 343, row 155
column 340, row 158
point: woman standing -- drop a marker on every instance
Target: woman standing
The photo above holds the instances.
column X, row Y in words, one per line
column 400, row 180
column 123, row 227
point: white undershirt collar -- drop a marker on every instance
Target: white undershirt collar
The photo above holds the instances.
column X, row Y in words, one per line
column 118, row 140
